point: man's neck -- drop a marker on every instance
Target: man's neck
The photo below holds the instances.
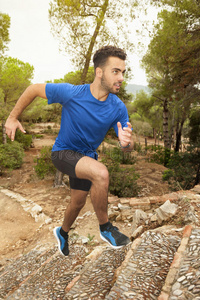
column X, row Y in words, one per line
column 97, row 92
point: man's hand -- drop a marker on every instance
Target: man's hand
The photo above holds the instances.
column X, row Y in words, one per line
column 124, row 134
column 11, row 126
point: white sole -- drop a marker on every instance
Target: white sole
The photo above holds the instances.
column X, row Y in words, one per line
column 105, row 240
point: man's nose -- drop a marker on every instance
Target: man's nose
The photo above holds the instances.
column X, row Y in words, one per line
column 121, row 77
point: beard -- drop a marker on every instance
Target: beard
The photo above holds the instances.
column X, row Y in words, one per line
column 107, row 87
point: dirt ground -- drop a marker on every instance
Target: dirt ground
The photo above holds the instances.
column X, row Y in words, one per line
column 20, row 233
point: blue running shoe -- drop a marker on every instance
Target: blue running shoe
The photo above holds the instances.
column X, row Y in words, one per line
column 114, row 237
column 62, row 243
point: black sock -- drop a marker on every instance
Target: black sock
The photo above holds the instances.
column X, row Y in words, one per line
column 104, row 226
column 63, row 233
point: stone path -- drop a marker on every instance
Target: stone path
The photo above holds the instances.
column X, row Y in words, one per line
column 146, row 269
column 160, row 264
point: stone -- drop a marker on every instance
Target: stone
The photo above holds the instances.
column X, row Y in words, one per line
column 126, row 215
column 123, row 207
column 166, row 211
column 138, row 216
column 176, row 286
column 154, row 218
column 137, row 232
column 36, row 209
column 177, row 293
column 180, row 279
column 190, row 216
column 112, row 214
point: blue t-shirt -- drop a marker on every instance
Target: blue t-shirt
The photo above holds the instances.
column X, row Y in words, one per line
column 85, row 120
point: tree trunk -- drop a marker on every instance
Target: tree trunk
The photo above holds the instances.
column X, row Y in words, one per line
column 165, row 125
column 4, row 137
column 154, row 135
column 93, row 40
column 58, row 180
column 172, row 141
column 178, row 136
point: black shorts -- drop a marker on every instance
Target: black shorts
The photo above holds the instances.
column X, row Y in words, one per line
column 65, row 161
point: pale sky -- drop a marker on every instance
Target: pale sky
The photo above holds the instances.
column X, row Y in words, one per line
column 32, row 42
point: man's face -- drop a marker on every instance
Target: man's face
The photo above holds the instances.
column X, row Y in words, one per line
column 113, row 75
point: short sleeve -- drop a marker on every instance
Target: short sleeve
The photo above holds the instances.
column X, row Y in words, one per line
column 58, row 92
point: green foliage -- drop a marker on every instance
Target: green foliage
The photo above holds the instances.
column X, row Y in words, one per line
column 146, row 109
column 158, row 154
column 15, row 78
column 194, row 133
column 24, row 139
column 137, row 147
column 123, row 180
column 141, row 128
column 40, row 111
column 4, row 31
column 84, row 26
column 183, row 169
column 44, row 164
column 172, row 63
column 75, row 77
column 11, row 155
column 117, row 155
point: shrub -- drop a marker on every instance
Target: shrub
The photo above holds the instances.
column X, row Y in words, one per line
column 24, row 139
column 123, row 180
column 11, row 155
column 183, row 169
column 159, row 154
column 141, row 127
column 116, row 154
column 137, row 147
column 44, row 164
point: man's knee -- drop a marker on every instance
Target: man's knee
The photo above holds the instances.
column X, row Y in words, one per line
column 103, row 175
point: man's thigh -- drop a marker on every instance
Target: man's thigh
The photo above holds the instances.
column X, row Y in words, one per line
column 65, row 161
column 89, row 168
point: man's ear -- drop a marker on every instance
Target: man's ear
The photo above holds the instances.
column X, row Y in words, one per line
column 99, row 72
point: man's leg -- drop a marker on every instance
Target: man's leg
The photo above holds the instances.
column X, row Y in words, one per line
column 78, row 199
column 97, row 173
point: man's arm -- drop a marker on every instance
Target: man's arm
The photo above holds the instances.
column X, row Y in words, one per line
column 12, row 123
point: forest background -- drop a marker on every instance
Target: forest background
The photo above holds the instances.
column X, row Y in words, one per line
column 169, row 111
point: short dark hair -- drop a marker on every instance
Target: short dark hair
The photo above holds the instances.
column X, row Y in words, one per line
column 100, row 57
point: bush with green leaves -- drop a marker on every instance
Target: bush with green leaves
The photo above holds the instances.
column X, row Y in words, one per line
column 159, row 154
column 11, row 155
column 24, row 139
column 123, row 179
column 184, row 170
column 44, row 164
column 116, row 154
column 141, row 128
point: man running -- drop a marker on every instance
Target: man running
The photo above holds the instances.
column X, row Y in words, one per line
column 88, row 112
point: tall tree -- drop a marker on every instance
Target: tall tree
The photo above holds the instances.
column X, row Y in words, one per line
column 4, row 32
column 15, row 77
column 84, row 25
column 173, row 65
